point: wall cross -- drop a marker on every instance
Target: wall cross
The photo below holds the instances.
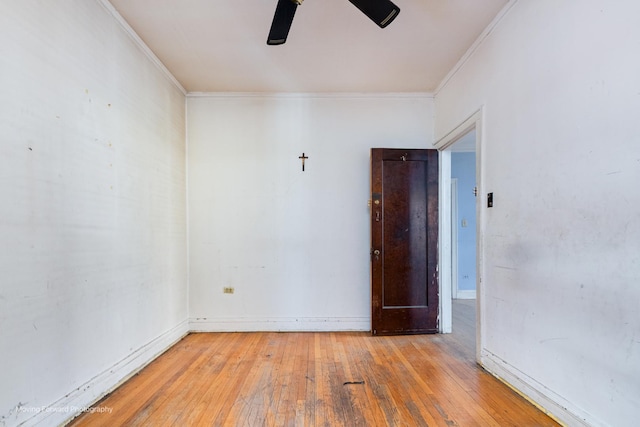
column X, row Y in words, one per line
column 303, row 158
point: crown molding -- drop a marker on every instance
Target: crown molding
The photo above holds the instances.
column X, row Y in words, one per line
column 475, row 46
column 141, row 44
column 319, row 95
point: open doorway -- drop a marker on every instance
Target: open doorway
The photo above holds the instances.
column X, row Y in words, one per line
column 456, row 283
column 463, row 240
column 463, row 217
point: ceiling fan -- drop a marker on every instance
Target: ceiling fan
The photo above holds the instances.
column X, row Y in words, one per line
column 382, row 12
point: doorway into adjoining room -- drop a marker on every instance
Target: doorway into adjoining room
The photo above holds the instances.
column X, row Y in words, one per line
column 463, row 218
column 463, row 238
column 460, row 249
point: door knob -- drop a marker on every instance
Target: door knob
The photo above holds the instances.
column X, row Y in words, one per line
column 376, row 252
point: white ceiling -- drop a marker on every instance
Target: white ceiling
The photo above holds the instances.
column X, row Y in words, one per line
column 220, row 46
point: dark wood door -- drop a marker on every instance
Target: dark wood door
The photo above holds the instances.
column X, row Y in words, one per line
column 404, row 241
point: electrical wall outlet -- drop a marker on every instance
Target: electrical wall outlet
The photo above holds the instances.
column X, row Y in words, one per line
column 228, row 290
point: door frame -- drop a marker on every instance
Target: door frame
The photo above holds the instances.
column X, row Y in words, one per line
column 454, row 238
column 474, row 121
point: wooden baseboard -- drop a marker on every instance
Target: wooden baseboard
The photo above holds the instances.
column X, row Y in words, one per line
column 82, row 398
column 554, row 405
column 279, row 324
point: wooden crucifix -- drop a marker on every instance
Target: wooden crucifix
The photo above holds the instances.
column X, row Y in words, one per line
column 303, row 158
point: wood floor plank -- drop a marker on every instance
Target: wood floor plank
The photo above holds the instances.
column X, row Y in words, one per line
column 247, row 378
column 319, row 379
column 363, row 355
column 214, row 406
column 310, row 396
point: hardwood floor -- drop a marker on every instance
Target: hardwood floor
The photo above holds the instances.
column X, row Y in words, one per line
column 319, row 379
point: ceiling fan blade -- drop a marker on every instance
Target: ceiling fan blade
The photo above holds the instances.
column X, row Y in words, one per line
column 382, row 12
column 282, row 19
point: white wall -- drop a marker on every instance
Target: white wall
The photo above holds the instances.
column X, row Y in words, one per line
column 295, row 245
column 560, row 86
column 92, row 211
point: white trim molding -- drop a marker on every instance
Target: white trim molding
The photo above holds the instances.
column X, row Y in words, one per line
column 548, row 401
column 454, row 238
column 465, row 294
column 473, row 121
column 72, row 405
column 280, row 324
column 313, row 95
column 476, row 44
column 141, row 44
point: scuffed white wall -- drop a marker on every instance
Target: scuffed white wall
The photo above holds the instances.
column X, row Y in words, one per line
column 294, row 245
column 92, row 207
column 560, row 86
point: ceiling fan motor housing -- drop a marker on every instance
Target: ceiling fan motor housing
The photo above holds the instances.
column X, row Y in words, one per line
column 382, row 12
